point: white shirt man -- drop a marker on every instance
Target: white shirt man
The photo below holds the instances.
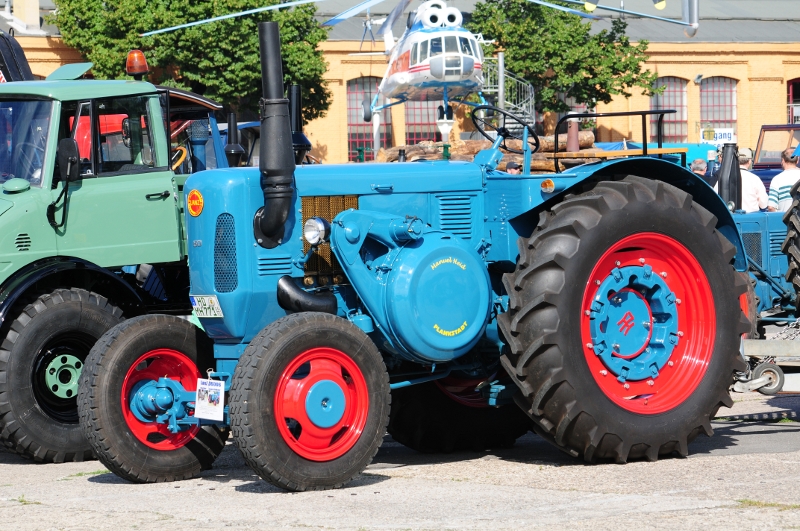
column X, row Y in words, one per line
column 754, row 194
column 780, row 200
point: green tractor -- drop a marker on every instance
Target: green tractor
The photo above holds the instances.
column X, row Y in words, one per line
column 92, row 176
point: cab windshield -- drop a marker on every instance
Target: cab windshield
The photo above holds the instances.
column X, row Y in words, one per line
column 24, row 125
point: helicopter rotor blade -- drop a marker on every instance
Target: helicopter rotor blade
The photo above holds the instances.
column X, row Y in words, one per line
column 232, row 15
column 565, row 9
column 353, row 11
column 393, row 16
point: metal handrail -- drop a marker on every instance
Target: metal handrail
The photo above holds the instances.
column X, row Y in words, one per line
column 643, row 114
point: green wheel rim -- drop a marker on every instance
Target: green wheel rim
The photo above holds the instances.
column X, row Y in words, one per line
column 61, row 375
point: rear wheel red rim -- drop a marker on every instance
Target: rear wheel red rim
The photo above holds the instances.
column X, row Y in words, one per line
column 690, row 359
column 321, row 366
column 151, row 366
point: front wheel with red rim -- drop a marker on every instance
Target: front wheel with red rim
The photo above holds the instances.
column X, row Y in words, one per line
column 624, row 321
column 309, row 402
column 125, row 360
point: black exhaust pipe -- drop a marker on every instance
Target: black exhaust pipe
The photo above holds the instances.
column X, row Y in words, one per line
column 276, row 158
column 730, row 178
column 233, row 149
column 300, row 142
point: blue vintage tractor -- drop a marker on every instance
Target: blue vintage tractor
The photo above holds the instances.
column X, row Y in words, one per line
column 451, row 303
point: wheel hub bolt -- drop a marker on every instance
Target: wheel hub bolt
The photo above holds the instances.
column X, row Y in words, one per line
column 641, row 260
column 626, row 386
column 670, row 363
column 650, row 382
column 597, row 282
column 587, row 312
column 617, row 263
column 664, row 274
column 589, row 345
column 646, row 324
column 615, row 346
column 680, row 334
column 604, row 372
column 677, row 301
column 617, row 300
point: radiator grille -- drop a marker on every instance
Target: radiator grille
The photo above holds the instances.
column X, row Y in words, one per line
column 752, row 244
column 324, row 262
column 23, row 242
column 226, row 277
column 275, row 265
column 455, row 215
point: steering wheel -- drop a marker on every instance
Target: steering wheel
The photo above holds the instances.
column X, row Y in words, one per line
column 29, row 154
column 178, row 156
column 505, row 125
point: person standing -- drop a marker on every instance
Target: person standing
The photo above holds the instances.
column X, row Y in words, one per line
column 699, row 167
column 754, row 194
column 780, row 200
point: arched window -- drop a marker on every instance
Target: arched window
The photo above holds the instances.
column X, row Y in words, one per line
column 718, row 102
column 676, row 126
column 359, row 132
column 421, row 122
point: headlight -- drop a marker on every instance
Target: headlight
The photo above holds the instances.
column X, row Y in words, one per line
column 316, row 230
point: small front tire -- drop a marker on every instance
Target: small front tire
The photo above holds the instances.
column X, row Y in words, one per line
column 140, row 349
column 310, row 402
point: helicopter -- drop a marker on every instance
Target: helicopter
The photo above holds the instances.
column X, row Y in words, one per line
column 436, row 58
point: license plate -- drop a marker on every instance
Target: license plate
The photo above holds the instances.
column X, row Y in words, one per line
column 206, row 306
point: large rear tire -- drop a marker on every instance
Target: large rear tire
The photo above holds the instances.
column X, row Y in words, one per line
column 309, row 402
column 444, row 417
column 624, row 321
column 41, row 359
column 139, row 350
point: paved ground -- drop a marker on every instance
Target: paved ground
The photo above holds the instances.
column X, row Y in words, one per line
column 745, row 477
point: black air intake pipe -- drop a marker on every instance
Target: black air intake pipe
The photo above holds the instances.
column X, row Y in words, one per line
column 300, row 142
column 730, row 178
column 276, row 158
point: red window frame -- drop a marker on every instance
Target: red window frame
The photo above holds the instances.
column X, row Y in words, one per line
column 718, row 102
column 676, row 126
column 359, row 132
column 421, row 122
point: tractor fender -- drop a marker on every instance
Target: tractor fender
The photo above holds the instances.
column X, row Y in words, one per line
column 123, row 294
column 668, row 172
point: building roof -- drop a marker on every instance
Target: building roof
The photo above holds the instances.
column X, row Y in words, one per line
column 720, row 20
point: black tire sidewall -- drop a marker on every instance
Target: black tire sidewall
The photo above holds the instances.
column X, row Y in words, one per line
column 426, row 419
column 142, row 335
column 658, row 217
column 41, row 429
column 318, row 331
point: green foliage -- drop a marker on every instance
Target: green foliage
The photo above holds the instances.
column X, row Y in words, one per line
column 219, row 60
column 558, row 54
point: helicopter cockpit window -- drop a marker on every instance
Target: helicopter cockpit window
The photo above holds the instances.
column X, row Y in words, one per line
column 436, row 46
column 423, row 51
column 465, row 49
column 414, row 54
column 476, row 49
column 451, row 44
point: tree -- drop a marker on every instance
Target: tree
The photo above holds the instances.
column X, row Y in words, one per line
column 558, row 54
column 219, row 60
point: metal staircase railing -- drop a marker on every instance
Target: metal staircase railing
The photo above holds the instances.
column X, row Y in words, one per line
column 519, row 94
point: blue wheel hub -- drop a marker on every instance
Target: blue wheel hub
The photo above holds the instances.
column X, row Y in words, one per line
column 634, row 322
column 325, row 404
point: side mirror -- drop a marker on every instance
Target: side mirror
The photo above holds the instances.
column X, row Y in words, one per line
column 68, row 158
